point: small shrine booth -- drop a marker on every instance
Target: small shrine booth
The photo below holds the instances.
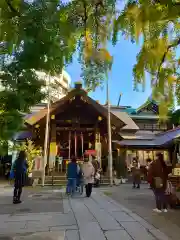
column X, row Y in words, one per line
column 77, row 123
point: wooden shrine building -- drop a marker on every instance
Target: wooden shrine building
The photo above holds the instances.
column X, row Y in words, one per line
column 77, row 123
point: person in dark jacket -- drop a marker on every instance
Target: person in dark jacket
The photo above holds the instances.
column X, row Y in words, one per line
column 72, row 175
column 19, row 168
column 157, row 177
column 136, row 173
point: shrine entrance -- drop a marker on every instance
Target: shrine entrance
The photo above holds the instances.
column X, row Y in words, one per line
column 77, row 123
column 74, row 143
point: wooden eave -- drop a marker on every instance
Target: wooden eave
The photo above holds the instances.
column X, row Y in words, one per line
column 40, row 116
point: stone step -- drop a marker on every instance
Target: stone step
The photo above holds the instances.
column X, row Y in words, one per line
column 60, row 180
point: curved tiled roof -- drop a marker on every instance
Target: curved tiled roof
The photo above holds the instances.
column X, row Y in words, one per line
column 35, row 118
column 130, row 124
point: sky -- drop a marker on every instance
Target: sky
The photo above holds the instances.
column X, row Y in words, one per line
column 120, row 78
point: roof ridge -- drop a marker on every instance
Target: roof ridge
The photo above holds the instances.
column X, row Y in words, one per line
column 170, row 130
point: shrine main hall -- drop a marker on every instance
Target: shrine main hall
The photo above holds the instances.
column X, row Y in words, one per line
column 77, row 125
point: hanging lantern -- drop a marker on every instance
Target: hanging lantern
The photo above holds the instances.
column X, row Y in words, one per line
column 99, row 118
column 53, row 117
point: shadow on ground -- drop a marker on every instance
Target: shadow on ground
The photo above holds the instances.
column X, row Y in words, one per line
column 32, row 202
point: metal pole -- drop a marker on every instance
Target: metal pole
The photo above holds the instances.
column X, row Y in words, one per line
column 110, row 159
column 46, row 134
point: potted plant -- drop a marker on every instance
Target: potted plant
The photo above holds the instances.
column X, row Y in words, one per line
column 31, row 151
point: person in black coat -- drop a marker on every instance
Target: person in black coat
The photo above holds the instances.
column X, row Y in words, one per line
column 19, row 168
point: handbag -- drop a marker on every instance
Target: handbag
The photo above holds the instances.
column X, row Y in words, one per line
column 11, row 176
column 158, row 182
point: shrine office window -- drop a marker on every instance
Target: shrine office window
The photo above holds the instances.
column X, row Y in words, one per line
column 148, row 126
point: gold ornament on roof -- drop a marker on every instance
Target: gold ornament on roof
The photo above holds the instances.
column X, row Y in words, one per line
column 99, row 118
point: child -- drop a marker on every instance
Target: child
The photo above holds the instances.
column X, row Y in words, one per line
column 80, row 180
column 97, row 178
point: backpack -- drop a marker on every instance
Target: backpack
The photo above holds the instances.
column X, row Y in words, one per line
column 158, row 182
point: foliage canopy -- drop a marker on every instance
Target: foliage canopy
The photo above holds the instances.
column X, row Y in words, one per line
column 156, row 24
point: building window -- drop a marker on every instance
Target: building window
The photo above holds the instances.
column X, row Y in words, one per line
column 152, row 126
column 148, row 126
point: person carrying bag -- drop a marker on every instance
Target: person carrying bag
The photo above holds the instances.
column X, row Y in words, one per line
column 157, row 177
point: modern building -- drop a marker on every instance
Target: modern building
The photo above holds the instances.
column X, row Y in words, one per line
column 58, row 87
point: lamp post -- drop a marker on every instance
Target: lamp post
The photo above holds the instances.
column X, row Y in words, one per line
column 46, row 133
column 110, row 159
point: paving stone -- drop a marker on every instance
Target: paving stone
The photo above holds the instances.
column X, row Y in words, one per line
column 122, row 217
column 56, row 220
column 4, row 218
column 117, row 235
column 104, row 203
column 159, row 235
column 137, row 231
column 5, row 238
column 66, row 206
column 124, row 209
column 31, row 217
column 12, row 227
column 57, row 228
column 42, row 236
column 91, row 231
column 143, row 222
column 105, row 220
column 81, row 212
column 72, row 235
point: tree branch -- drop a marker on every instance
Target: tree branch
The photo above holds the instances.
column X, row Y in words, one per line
column 168, row 3
column 9, row 3
column 175, row 44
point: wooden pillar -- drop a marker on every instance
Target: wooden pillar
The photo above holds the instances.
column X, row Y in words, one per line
column 69, row 140
column 52, row 146
column 98, row 146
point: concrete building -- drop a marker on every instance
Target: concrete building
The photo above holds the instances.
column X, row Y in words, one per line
column 59, row 86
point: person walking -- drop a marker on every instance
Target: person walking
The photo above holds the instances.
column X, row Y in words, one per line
column 19, row 170
column 72, row 175
column 136, row 173
column 157, row 177
column 88, row 172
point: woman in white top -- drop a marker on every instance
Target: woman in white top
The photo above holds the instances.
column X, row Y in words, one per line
column 88, row 172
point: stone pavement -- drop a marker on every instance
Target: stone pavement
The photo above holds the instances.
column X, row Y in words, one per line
column 98, row 218
column 141, row 201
